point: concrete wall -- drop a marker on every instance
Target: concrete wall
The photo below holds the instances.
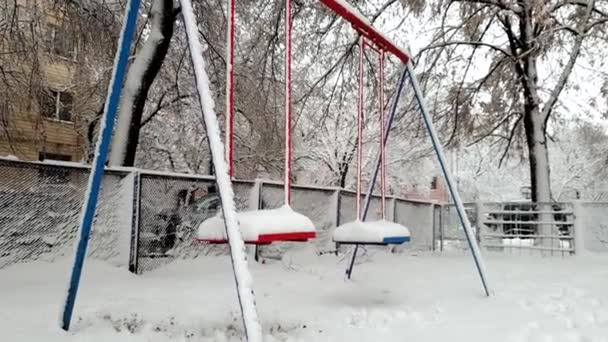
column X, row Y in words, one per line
column 590, row 227
column 418, row 218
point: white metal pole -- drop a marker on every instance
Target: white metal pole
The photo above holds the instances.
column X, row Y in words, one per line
column 242, row 276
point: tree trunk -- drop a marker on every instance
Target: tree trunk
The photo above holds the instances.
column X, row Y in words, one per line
column 140, row 77
column 535, row 122
column 539, row 177
column 343, row 167
column 538, row 156
column 534, row 119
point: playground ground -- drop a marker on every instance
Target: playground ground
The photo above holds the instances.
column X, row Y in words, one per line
column 304, row 297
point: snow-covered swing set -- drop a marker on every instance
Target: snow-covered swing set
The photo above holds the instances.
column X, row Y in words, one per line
column 223, row 176
column 359, row 233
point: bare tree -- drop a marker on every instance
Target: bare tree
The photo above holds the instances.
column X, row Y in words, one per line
column 580, row 155
column 533, row 47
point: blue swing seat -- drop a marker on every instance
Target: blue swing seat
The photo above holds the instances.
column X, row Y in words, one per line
column 371, row 233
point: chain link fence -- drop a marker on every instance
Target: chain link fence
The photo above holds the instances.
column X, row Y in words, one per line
column 170, row 209
column 40, row 207
column 147, row 219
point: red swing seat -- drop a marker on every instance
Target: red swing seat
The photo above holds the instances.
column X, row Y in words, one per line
column 261, row 227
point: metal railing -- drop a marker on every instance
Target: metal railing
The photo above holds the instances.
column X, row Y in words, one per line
column 519, row 227
column 512, row 227
column 40, row 206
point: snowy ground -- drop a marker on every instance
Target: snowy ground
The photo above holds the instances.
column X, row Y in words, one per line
column 305, row 298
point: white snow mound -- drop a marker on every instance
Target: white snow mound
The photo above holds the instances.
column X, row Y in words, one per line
column 370, row 231
column 258, row 222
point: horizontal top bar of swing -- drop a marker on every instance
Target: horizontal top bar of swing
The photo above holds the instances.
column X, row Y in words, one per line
column 365, row 28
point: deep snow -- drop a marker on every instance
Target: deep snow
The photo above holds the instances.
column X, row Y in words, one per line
column 393, row 297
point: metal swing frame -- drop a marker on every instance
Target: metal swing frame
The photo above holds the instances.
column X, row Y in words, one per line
column 368, row 32
column 361, row 25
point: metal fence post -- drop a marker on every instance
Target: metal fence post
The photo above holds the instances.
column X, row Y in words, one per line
column 260, row 189
column 392, row 209
column 260, row 194
column 338, row 195
column 135, row 213
column 441, row 225
column 436, row 222
column 479, row 218
column 255, row 197
column 578, row 232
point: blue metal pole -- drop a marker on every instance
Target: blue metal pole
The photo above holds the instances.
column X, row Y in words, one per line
column 372, row 184
column 101, row 151
column 464, row 220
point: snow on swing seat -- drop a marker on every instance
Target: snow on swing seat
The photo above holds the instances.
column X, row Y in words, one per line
column 261, row 227
column 371, row 233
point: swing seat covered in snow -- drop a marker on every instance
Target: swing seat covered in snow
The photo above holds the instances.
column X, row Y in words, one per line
column 261, row 227
column 371, row 233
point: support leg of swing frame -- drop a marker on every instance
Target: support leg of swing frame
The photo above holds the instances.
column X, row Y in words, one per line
column 388, row 124
column 464, row 220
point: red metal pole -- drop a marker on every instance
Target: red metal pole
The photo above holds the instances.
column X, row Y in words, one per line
column 382, row 128
column 230, row 88
column 372, row 47
column 287, row 101
column 360, row 126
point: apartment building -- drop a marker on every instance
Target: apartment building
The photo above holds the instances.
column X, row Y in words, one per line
column 49, row 94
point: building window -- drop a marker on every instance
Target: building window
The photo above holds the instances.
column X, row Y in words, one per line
column 53, row 174
column 56, row 105
column 54, row 156
column 60, row 42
